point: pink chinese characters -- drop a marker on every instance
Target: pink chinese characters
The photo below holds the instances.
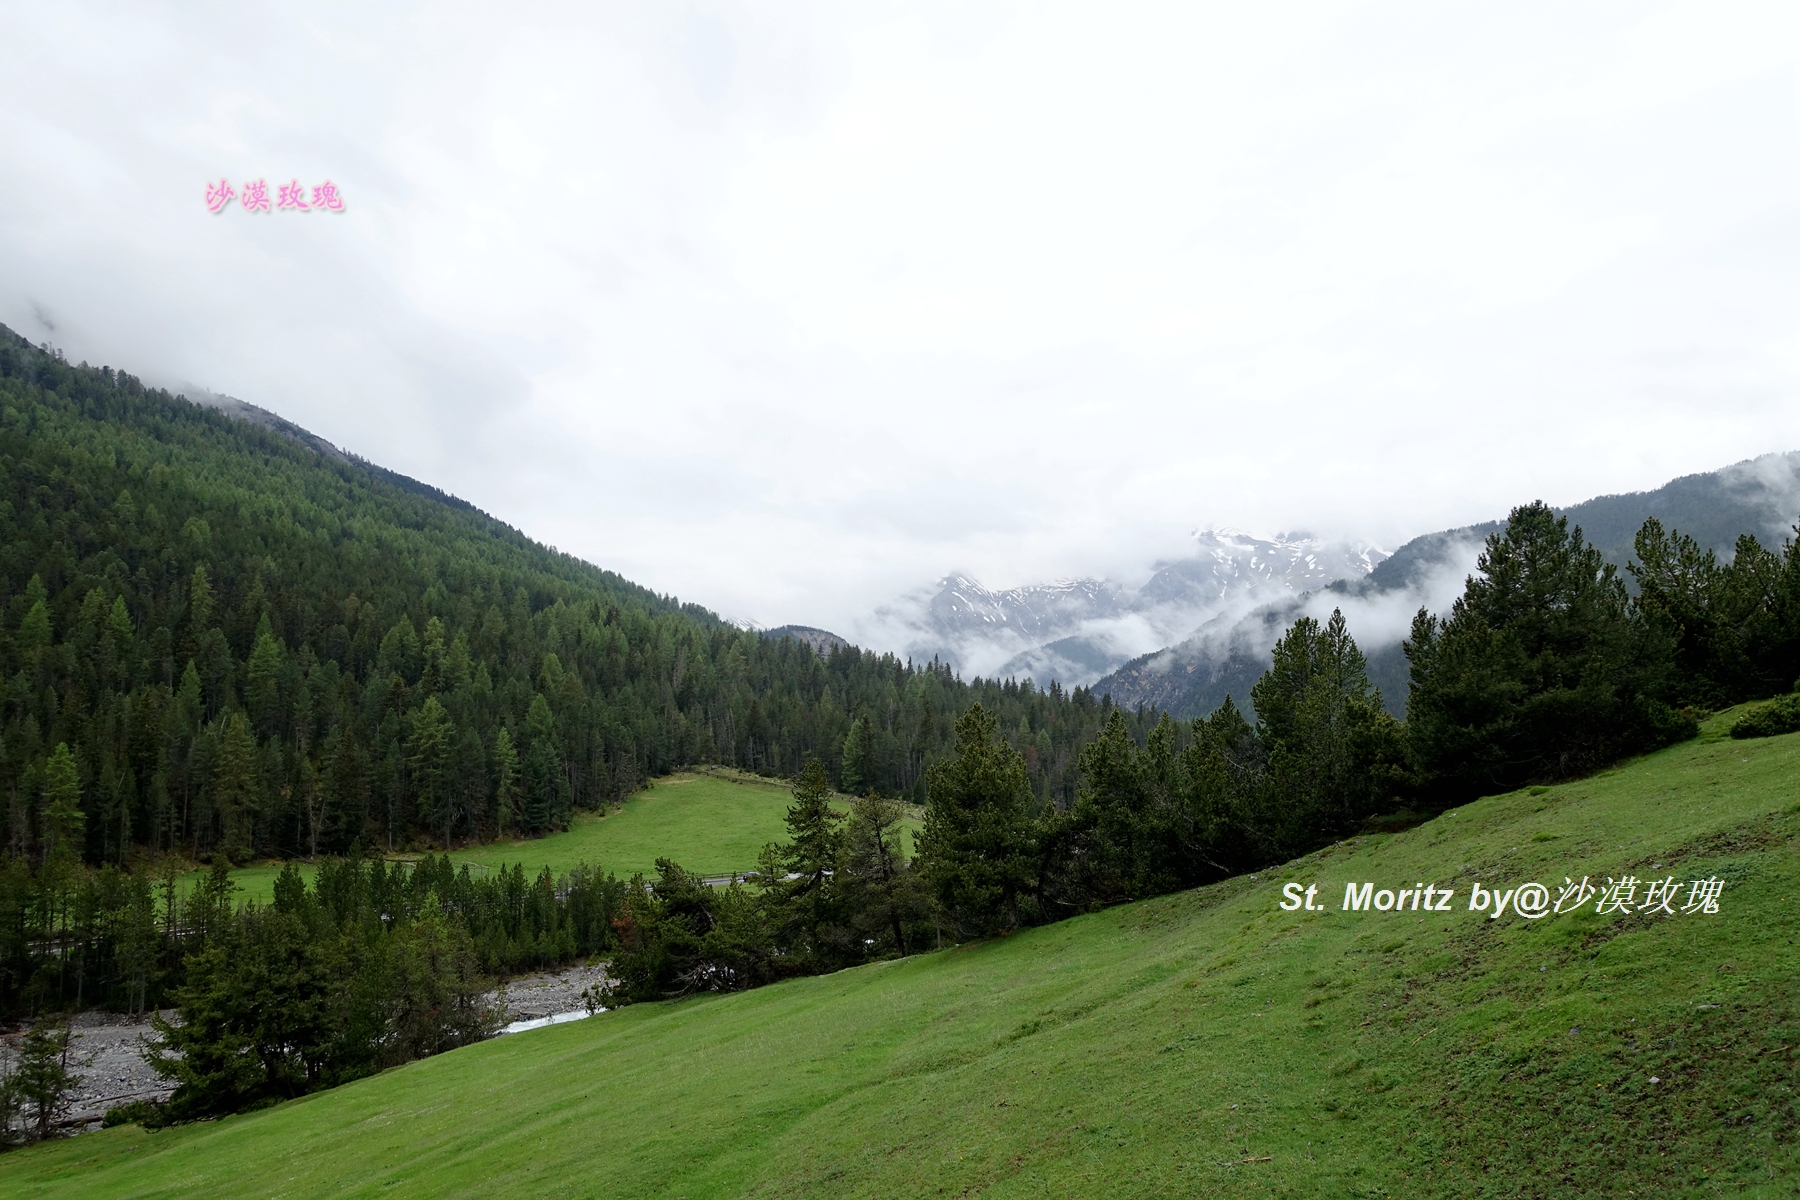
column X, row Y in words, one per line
column 218, row 195
column 286, row 197
column 289, row 195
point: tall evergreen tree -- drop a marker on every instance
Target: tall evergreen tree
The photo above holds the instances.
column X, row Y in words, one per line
column 856, row 756
column 1334, row 753
column 543, row 767
column 809, row 861
column 64, row 820
column 507, row 785
column 977, row 852
column 880, row 888
column 431, row 760
column 1228, row 821
column 262, row 680
column 236, row 785
column 41, row 1078
column 1541, row 671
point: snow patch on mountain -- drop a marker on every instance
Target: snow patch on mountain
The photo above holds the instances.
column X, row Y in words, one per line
column 1077, row 630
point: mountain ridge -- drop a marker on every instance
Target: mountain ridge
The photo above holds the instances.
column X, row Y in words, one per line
column 1074, row 630
column 1192, row 677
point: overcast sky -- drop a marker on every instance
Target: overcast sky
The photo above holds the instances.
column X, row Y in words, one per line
column 790, row 308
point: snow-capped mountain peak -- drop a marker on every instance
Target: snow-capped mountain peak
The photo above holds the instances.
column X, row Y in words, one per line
column 1076, row 630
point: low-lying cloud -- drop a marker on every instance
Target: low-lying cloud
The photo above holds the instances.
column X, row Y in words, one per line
column 790, row 309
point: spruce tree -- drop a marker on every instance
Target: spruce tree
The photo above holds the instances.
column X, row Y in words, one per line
column 977, row 852
column 880, row 887
column 64, row 821
column 1334, row 752
column 507, row 784
column 432, row 751
column 855, row 769
column 1542, row 670
column 34, row 632
column 237, row 790
column 41, row 1078
column 809, row 859
column 262, row 680
column 543, row 766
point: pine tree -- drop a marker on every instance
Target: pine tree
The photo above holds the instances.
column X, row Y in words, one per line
column 1227, row 823
column 237, row 789
column 809, row 860
column 978, row 849
column 506, row 784
column 432, row 749
column 543, row 767
column 41, row 1079
column 121, row 639
column 64, row 821
column 262, row 680
column 199, row 604
column 1542, row 670
column 1334, row 752
column 854, row 770
column 882, row 890
column 1118, row 841
column 34, row 631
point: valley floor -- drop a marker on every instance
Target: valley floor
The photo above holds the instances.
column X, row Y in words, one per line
column 712, row 821
column 1207, row 1042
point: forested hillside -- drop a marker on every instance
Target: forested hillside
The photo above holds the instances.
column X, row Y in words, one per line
column 218, row 638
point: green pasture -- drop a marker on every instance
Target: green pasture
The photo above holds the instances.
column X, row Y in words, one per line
column 1206, row 1043
column 714, row 824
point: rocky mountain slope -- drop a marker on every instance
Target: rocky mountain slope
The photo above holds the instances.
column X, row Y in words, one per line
column 1225, row 655
column 1076, row 630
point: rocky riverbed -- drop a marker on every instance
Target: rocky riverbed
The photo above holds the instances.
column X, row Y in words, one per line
column 527, row 997
column 107, row 1049
column 107, row 1052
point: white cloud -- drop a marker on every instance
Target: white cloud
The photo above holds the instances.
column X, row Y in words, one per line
column 791, row 309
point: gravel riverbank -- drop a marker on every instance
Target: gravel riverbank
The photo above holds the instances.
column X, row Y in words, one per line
column 107, row 1049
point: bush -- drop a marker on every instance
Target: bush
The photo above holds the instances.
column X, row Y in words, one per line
column 1781, row 715
column 148, row 1113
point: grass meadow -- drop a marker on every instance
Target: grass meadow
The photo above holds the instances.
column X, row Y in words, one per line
column 712, row 823
column 1202, row 1043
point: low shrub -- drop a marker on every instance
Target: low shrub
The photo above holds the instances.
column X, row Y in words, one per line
column 148, row 1113
column 1781, row 715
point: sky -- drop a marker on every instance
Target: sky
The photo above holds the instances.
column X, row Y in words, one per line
column 789, row 309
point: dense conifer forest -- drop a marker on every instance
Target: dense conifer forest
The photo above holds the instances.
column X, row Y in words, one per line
column 247, row 646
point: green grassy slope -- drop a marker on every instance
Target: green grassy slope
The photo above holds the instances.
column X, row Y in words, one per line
column 1200, row 1043
column 713, row 823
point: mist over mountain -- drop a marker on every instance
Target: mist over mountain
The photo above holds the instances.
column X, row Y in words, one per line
column 1226, row 654
column 1077, row 630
